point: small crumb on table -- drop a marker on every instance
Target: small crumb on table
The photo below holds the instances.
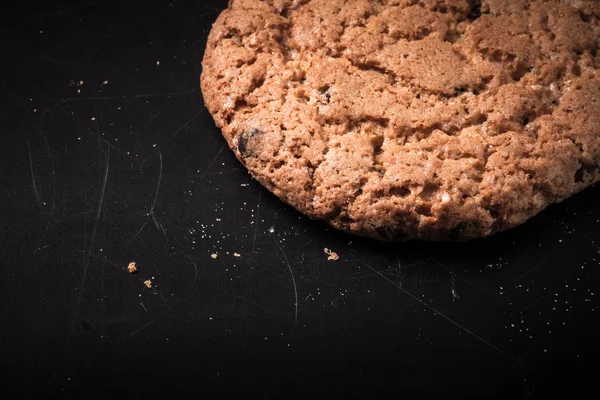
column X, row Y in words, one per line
column 148, row 283
column 332, row 255
column 237, row 255
column 131, row 267
column 213, row 256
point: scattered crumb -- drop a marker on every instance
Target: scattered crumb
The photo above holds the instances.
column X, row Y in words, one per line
column 213, row 256
column 78, row 90
column 105, row 83
column 131, row 267
column 236, row 255
column 271, row 229
column 158, row 63
column 80, row 83
column 93, row 118
column 332, row 255
column 148, row 283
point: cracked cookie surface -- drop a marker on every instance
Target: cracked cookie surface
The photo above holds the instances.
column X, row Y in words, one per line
column 400, row 119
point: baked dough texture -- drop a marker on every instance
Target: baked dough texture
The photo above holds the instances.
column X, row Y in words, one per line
column 403, row 119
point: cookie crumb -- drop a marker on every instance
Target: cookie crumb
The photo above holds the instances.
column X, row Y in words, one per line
column 332, row 255
column 213, row 256
column 148, row 283
column 105, row 83
column 237, row 255
column 131, row 267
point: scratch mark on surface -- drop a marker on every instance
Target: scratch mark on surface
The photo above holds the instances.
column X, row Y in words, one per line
column 143, row 327
column 516, row 264
column 162, row 228
column 256, row 222
column 142, row 165
column 399, row 270
column 424, row 304
column 137, row 233
column 150, row 213
column 459, row 277
column 156, row 292
column 160, row 172
column 390, row 271
column 155, row 221
column 183, row 127
column 500, row 298
column 212, row 8
column 534, row 268
column 307, row 243
column 192, row 261
column 152, row 118
column 524, row 373
column 98, row 214
column 453, row 286
column 143, row 306
column 293, row 281
column 80, row 288
column 249, row 301
column 214, row 160
column 51, row 214
column 35, row 191
column 99, row 137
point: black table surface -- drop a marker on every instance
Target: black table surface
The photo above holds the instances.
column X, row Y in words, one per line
column 108, row 156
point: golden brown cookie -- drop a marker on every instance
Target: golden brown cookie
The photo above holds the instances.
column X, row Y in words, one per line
column 399, row 119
